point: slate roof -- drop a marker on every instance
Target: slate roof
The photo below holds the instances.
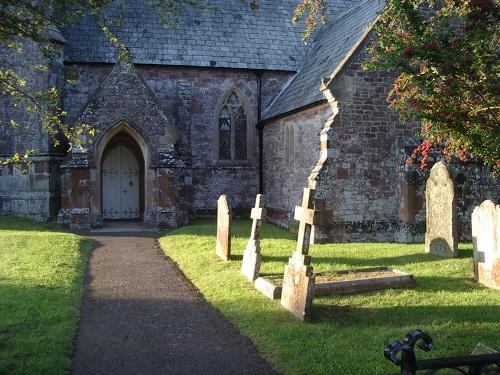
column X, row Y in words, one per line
column 232, row 36
column 330, row 47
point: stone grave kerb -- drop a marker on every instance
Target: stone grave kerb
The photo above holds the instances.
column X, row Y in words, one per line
column 250, row 266
column 298, row 280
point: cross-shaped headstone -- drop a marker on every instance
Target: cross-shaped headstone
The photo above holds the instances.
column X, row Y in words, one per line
column 305, row 215
column 258, row 214
column 298, row 280
column 250, row 266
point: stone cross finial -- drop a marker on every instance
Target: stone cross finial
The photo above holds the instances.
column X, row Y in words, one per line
column 224, row 221
column 258, row 214
column 250, row 266
column 298, row 280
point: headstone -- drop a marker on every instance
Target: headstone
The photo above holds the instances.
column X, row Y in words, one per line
column 298, row 280
column 224, row 221
column 250, row 266
column 486, row 241
column 441, row 216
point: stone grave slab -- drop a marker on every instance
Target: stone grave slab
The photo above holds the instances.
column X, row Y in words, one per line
column 224, row 222
column 486, row 241
column 250, row 266
column 441, row 213
column 344, row 282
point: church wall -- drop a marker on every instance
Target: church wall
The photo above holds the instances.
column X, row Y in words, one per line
column 365, row 159
column 31, row 190
column 194, row 97
column 283, row 180
column 365, row 191
column 191, row 98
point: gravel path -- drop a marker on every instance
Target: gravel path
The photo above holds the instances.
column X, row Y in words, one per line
column 141, row 316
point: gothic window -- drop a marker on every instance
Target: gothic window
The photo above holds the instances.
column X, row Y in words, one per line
column 225, row 135
column 232, row 130
column 289, row 144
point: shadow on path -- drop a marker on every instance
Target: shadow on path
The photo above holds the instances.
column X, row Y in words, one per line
column 141, row 316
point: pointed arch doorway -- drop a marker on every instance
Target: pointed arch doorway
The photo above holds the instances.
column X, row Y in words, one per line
column 122, row 179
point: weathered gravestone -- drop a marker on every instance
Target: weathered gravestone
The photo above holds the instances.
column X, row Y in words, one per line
column 486, row 241
column 441, row 216
column 224, row 221
column 250, row 266
column 298, row 280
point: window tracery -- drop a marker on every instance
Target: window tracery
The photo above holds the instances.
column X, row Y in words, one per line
column 233, row 130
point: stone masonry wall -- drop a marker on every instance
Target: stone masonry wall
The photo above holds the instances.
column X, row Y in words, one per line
column 191, row 99
column 366, row 191
column 366, row 137
column 283, row 181
column 473, row 184
column 31, row 190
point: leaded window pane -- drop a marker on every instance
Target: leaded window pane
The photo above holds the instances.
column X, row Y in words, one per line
column 225, row 135
column 240, row 136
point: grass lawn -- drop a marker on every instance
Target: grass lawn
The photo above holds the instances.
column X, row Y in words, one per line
column 41, row 282
column 349, row 332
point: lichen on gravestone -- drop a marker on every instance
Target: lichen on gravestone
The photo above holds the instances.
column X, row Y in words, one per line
column 298, row 280
column 441, row 213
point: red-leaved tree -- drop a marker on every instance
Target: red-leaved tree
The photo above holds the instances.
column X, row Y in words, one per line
column 447, row 55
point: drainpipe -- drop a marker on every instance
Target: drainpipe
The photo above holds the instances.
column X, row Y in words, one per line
column 260, row 129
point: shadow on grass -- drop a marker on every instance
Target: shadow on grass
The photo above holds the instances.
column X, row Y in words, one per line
column 240, row 228
column 15, row 223
column 386, row 261
column 397, row 316
column 362, row 262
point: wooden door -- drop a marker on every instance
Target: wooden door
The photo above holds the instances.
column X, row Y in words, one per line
column 120, row 185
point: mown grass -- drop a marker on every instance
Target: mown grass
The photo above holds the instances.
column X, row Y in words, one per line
column 349, row 332
column 41, row 283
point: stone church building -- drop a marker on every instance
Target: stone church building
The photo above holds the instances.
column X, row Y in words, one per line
column 229, row 102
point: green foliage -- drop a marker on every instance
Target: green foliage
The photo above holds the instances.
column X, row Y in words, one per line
column 41, row 284
column 447, row 53
column 349, row 333
column 314, row 12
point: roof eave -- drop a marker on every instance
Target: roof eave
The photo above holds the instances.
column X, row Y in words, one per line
column 293, row 111
column 328, row 82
